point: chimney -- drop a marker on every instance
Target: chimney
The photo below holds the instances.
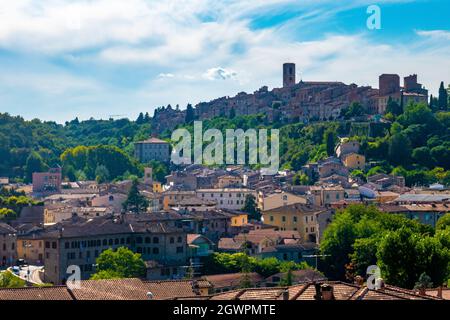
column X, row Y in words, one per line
column 285, row 295
column 318, row 295
column 327, row 292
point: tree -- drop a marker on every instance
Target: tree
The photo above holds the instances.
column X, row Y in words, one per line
column 300, row 179
column 393, row 107
column 287, row 279
column 329, row 138
column 34, row 164
column 8, row 280
column 399, row 151
column 422, row 156
column 250, row 207
column 232, row 113
column 7, row 214
column 120, row 263
column 147, row 118
column 443, row 97
column 135, row 202
column 443, row 222
column 101, row 174
column 424, row 282
column 190, row 115
column 140, row 118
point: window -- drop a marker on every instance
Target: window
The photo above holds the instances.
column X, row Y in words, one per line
column 139, row 240
column 155, row 251
column 179, row 249
column 147, row 240
column 53, row 245
column 283, row 218
column 155, row 240
column 67, row 245
column 172, row 240
column 179, row 240
column 271, row 218
column 295, row 219
column 110, row 242
column 105, row 242
column 47, row 244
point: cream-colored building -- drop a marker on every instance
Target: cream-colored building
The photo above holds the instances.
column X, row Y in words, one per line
column 354, row 161
column 278, row 199
column 325, row 195
column 226, row 198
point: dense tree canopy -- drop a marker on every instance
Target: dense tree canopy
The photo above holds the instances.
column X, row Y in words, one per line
column 403, row 249
column 120, row 263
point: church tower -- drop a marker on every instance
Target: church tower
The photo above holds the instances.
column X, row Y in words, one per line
column 288, row 74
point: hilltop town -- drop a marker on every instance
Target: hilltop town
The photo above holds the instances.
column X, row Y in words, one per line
column 300, row 101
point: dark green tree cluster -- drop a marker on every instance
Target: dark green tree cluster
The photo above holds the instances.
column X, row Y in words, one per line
column 402, row 248
column 12, row 203
column 238, row 262
column 101, row 162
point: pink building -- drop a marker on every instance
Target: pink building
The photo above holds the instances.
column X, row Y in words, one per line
column 47, row 181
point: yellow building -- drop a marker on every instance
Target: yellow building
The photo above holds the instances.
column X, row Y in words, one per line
column 297, row 217
column 31, row 250
column 354, row 161
column 157, row 187
column 239, row 220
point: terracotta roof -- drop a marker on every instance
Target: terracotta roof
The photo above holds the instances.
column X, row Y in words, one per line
column 231, row 279
column 434, row 293
column 36, row 293
column 111, row 289
column 136, row 289
column 153, row 140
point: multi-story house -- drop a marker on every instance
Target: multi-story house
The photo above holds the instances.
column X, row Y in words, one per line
column 8, row 240
column 277, row 198
column 47, row 182
column 79, row 242
column 326, row 195
column 226, row 198
column 152, row 149
column 297, row 217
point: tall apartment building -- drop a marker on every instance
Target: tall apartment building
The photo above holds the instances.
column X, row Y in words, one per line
column 79, row 242
column 152, row 149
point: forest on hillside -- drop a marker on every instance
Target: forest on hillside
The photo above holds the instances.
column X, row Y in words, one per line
column 414, row 142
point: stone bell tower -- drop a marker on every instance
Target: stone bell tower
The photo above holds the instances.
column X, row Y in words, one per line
column 288, row 74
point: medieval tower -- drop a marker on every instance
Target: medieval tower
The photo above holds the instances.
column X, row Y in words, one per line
column 288, row 74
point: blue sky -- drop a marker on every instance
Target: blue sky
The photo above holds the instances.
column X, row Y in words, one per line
column 62, row 58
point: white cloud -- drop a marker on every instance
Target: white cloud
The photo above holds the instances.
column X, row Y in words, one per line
column 219, row 73
column 179, row 46
column 436, row 34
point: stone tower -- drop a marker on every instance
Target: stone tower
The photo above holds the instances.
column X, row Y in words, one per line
column 288, row 74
